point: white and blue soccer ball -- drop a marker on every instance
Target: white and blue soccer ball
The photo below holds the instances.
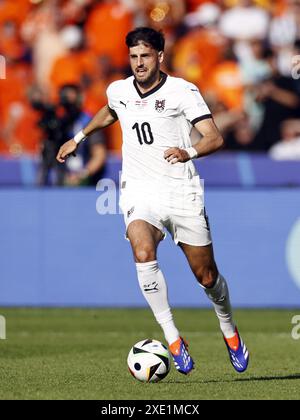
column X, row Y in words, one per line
column 149, row 361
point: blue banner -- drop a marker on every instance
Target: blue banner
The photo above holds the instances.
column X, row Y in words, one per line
column 56, row 250
column 224, row 169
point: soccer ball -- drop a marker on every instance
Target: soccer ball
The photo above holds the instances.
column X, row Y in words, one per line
column 149, row 361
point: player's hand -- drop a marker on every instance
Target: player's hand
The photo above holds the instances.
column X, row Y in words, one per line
column 68, row 149
column 175, row 155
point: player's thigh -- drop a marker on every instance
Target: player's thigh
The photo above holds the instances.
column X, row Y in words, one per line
column 144, row 239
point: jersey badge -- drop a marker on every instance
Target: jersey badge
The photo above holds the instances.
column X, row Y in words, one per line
column 160, row 105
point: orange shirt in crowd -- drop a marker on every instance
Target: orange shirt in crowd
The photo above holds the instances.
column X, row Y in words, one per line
column 70, row 69
column 226, row 84
column 95, row 97
column 106, row 29
column 66, row 70
column 14, row 10
column 197, row 54
column 13, row 88
column 24, row 130
column 280, row 7
column 27, row 131
column 24, row 134
column 10, row 45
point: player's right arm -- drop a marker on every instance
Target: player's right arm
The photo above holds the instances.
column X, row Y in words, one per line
column 104, row 118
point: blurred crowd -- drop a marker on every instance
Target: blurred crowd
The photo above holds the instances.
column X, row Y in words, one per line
column 244, row 56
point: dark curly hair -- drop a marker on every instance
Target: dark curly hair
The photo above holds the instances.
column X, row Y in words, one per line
column 148, row 36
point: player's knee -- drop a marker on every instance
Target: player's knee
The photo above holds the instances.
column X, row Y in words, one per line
column 144, row 255
column 207, row 276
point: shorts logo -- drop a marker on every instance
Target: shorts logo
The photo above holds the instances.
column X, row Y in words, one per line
column 130, row 212
column 160, row 105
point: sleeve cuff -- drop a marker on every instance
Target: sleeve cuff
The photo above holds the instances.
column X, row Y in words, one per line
column 113, row 113
column 204, row 117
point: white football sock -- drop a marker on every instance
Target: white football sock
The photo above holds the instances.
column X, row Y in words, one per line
column 155, row 291
column 219, row 295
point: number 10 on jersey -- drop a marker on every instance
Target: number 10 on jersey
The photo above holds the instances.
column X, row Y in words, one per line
column 144, row 133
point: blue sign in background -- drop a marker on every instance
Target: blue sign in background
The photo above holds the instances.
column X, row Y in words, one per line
column 57, row 250
column 223, row 169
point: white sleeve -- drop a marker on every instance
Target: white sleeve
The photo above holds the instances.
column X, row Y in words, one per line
column 111, row 96
column 192, row 104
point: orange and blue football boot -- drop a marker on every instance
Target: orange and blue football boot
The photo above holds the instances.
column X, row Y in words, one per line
column 238, row 352
column 182, row 360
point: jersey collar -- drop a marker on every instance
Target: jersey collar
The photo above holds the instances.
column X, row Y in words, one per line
column 164, row 77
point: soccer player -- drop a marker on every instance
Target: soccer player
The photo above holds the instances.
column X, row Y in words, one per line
column 160, row 187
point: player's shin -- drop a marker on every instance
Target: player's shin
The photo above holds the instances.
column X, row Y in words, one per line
column 219, row 295
column 155, row 291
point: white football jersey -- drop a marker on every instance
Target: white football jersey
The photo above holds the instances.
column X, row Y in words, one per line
column 154, row 122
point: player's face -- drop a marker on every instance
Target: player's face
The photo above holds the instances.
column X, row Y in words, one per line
column 145, row 63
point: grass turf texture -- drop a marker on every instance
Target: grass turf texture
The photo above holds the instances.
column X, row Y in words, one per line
column 81, row 354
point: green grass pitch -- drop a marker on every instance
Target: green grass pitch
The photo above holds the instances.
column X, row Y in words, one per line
column 81, row 354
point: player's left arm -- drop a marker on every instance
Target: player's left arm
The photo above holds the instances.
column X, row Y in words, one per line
column 211, row 142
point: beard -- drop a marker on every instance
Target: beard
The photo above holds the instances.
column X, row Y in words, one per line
column 147, row 79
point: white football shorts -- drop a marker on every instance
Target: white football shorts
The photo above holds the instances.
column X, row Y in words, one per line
column 180, row 211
